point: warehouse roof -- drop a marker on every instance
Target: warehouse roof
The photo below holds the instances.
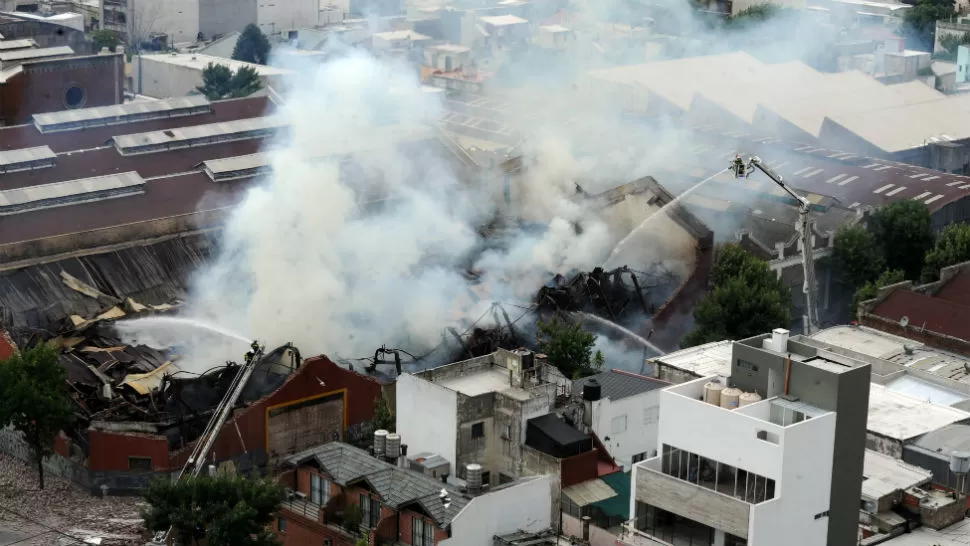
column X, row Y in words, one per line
column 703, row 360
column 884, row 475
column 946, row 440
column 853, row 180
column 901, row 417
column 617, row 385
column 198, row 61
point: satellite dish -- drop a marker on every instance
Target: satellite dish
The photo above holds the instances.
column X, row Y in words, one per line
column 904, row 322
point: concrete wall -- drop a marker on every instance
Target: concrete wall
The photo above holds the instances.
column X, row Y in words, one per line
column 573, row 527
column 537, row 463
column 639, row 415
column 421, row 403
column 179, row 19
column 160, row 79
column 524, row 506
column 217, row 17
column 276, row 15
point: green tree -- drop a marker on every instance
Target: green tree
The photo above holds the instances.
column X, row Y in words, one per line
column 383, row 416
column 952, row 247
column 252, row 46
column 756, row 13
column 599, row 361
column 857, row 257
column 567, row 346
column 950, row 44
column 904, row 232
column 747, row 299
column 920, row 20
column 218, row 82
column 871, row 289
column 214, row 510
column 34, row 399
column 105, row 38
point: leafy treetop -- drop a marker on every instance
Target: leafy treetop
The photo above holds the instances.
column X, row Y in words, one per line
column 904, row 231
column 871, row 289
column 252, row 46
column 220, row 509
column 952, row 247
column 857, row 256
column 34, row 399
column 218, row 82
column 747, row 299
column 568, row 347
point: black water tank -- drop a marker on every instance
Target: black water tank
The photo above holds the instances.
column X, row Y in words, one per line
column 528, row 359
column 592, row 390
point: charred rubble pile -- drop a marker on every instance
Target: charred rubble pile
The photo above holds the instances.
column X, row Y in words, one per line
column 615, row 294
column 113, row 382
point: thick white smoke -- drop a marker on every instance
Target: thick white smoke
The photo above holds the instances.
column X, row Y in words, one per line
column 306, row 259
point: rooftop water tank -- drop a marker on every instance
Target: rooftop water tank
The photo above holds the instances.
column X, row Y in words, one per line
column 960, row 462
column 748, row 398
column 712, row 392
column 473, row 478
column 592, row 390
column 380, row 442
column 779, row 339
column 730, row 397
column 393, row 446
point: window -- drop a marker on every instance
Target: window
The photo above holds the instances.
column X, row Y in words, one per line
column 486, row 478
column 417, row 532
column 428, row 534
column 141, row 464
column 327, row 542
column 319, row 489
column 618, row 425
column 74, row 97
column 825, row 514
column 370, row 511
column 478, row 430
column 639, row 457
column 768, row 436
column 281, row 524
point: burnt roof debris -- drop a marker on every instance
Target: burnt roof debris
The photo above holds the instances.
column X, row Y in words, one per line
column 616, row 294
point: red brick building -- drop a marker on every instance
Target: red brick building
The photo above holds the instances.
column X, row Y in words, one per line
column 396, row 505
column 937, row 314
column 60, row 84
column 320, row 402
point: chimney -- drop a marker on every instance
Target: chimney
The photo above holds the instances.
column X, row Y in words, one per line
column 586, row 529
column 473, row 478
column 403, row 461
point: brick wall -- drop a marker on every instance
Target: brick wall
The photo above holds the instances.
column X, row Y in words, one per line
column 111, row 450
column 43, row 86
column 933, row 339
column 406, row 519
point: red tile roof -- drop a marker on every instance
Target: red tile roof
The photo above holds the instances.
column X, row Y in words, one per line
column 7, row 347
column 957, row 289
column 932, row 314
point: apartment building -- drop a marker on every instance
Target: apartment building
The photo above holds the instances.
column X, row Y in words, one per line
column 772, row 455
column 481, row 408
column 333, row 485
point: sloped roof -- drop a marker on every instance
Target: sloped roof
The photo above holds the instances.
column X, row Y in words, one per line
column 397, row 487
column 617, row 385
column 926, row 312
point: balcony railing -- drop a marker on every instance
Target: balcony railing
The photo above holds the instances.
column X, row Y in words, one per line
column 304, row 508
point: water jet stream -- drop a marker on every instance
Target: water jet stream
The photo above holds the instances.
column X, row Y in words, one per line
column 616, row 327
column 646, row 221
column 167, row 324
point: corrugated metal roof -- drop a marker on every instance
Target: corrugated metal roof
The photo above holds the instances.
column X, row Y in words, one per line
column 16, row 44
column 589, row 492
column 617, row 386
column 14, row 200
column 926, row 313
column 703, row 360
column 144, row 383
column 121, row 113
column 885, row 475
column 34, row 53
column 946, row 440
column 200, row 134
column 396, row 486
column 901, row 417
column 12, row 159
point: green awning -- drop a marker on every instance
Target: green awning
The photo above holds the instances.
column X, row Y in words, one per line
column 618, row 506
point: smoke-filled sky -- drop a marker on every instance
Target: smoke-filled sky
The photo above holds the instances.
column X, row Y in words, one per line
column 300, row 261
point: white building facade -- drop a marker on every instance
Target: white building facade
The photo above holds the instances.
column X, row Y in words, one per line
column 771, row 455
column 625, row 414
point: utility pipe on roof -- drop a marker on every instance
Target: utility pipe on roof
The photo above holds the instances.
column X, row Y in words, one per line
column 787, row 373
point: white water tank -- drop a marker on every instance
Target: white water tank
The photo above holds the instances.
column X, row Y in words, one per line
column 712, row 392
column 393, row 446
column 380, row 442
column 960, row 462
column 730, row 397
column 473, row 478
column 748, row 398
column 779, row 340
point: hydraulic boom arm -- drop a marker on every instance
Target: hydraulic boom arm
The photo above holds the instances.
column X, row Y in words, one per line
column 742, row 169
